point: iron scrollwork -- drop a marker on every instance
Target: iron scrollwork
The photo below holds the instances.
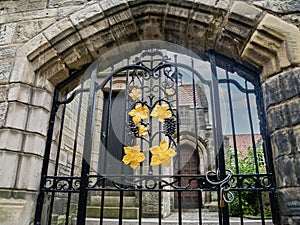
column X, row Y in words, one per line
column 224, row 184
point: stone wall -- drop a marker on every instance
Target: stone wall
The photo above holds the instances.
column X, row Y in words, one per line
column 41, row 42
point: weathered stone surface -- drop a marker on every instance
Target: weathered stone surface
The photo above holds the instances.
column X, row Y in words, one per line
column 281, row 87
column 20, row 204
column 286, row 170
column 42, row 98
column 16, row 115
column 279, row 6
column 293, row 19
column 238, row 27
column 3, row 109
column 38, row 120
column 99, row 26
column 7, row 52
column 59, row 31
column 11, row 210
column 7, row 177
column 19, row 92
column 3, row 92
column 22, row 71
column 86, row 16
column 7, row 32
column 26, row 30
column 273, row 46
column 30, row 166
column 11, row 140
column 59, row 3
column 34, row 47
column 5, row 69
column 284, row 115
column 33, row 143
column 111, row 6
column 291, row 207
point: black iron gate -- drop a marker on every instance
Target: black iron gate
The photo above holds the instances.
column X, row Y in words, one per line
column 163, row 130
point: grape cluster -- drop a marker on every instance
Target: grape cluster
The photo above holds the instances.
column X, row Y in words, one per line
column 133, row 128
column 170, row 126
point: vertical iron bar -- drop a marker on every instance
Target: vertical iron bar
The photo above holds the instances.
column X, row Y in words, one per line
column 121, row 207
column 140, row 207
column 219, row 133
column 178, row 143
column 40, row 199
column 88, row 139
column 74, row 153
column 267, row 152
column 236, row 159
column 57, row 157
column 197, row 147
column 261, row 208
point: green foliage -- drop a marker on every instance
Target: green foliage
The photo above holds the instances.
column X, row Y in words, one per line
column 247, row 200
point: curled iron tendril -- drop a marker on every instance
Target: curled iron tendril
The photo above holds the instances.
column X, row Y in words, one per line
column 224, row 184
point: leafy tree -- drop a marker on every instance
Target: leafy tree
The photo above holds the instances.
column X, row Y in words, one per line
column 246, row 165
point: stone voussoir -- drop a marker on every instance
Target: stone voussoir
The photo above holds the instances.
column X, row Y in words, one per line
column 273, row 46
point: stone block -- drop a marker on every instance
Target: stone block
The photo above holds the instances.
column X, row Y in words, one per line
column 22, row 71
column 25, row 30
column 289, row 83
column 3, row 110
column 77, row 56
column 8, row 169
column 59, row 3
column 59, row 31
column 42, row 98
column 19, row 92
column 5, row 69
column 100, row 43
column 52, row 74
column 282, row 87
column 277, row 117
column 38, row 120
column 11, row 139
column 178, row 12
column 120, row 17
column 33, row 48
column 273, row 46
column 278, row 6
column 7, row 52
column 7, row 32
column 3, row 92
column 29, row 174
column 45, row 58
column 287, row 170
column 86, row 16
column 11, row 210
column 289, row 204
column 112, row 6
column 245, row 13
column 45, row 84
column 294, row 111
column 94, row 28
column 16, row 115
column 34, row 144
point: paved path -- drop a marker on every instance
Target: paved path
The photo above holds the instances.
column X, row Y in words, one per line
column 188, row 218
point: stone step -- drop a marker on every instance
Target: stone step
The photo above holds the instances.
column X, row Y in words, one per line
column 112, row 201
column 213, row 221
column 112, row 212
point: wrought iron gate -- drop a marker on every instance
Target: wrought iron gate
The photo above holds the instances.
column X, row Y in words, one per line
column 153, row 129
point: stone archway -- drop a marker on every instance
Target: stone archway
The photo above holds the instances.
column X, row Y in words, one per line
column 240, row 31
